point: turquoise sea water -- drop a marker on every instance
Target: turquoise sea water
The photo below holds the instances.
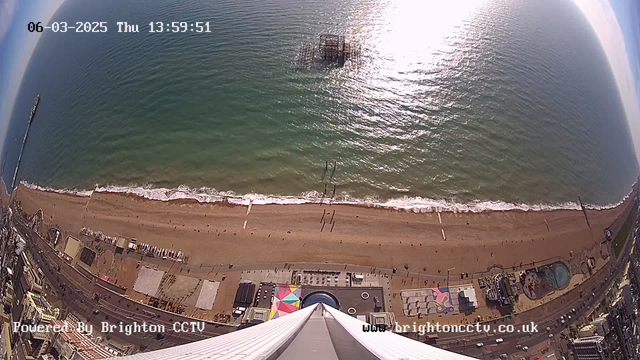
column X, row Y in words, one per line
column 481, row 102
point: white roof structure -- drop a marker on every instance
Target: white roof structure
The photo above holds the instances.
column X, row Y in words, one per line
column 319, row 332
column 470, row 294
column 208, row 294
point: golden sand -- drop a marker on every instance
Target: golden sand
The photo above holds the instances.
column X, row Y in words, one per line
column 213, row 234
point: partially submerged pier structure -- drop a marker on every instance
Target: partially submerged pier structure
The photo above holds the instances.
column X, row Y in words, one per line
column 34, row 107
column 332, row 50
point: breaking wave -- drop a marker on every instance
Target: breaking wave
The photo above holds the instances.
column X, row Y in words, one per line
column 412, row 204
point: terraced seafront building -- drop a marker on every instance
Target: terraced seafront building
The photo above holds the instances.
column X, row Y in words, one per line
column 318, row 332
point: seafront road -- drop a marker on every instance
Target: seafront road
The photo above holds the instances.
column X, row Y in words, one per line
column 84, row 296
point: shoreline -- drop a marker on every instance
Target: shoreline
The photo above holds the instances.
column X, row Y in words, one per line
column 214, row 233
column 406, row 204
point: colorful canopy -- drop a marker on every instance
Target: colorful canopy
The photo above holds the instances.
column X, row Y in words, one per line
column 285, row 301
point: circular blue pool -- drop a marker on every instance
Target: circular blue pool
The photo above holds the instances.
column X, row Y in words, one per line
column 562, row 275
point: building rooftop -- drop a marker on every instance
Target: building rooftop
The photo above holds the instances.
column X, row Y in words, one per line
column 469, row 296
column 624, row 283
column 41, row 304
column 85, row 347
column 255, row 314
column 587, row 330
column 589, row 339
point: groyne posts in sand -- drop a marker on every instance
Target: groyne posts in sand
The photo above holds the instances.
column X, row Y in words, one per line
column 246, row 216
column 323, row 221
column 333, row 172
column 444, row 237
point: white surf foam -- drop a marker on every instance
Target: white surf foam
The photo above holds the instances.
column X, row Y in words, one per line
column 412, row 204
column 59, row 191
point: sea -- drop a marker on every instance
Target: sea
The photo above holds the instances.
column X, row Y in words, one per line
column 460, row 105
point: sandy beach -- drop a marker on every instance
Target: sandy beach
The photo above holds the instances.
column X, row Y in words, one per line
column 213, row 234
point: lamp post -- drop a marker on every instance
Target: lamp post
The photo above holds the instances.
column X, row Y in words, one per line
column 448, row 271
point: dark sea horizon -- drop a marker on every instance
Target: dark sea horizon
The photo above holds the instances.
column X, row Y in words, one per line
column 462, row 105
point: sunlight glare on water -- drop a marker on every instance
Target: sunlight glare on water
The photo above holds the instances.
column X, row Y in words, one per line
column 453, row 102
